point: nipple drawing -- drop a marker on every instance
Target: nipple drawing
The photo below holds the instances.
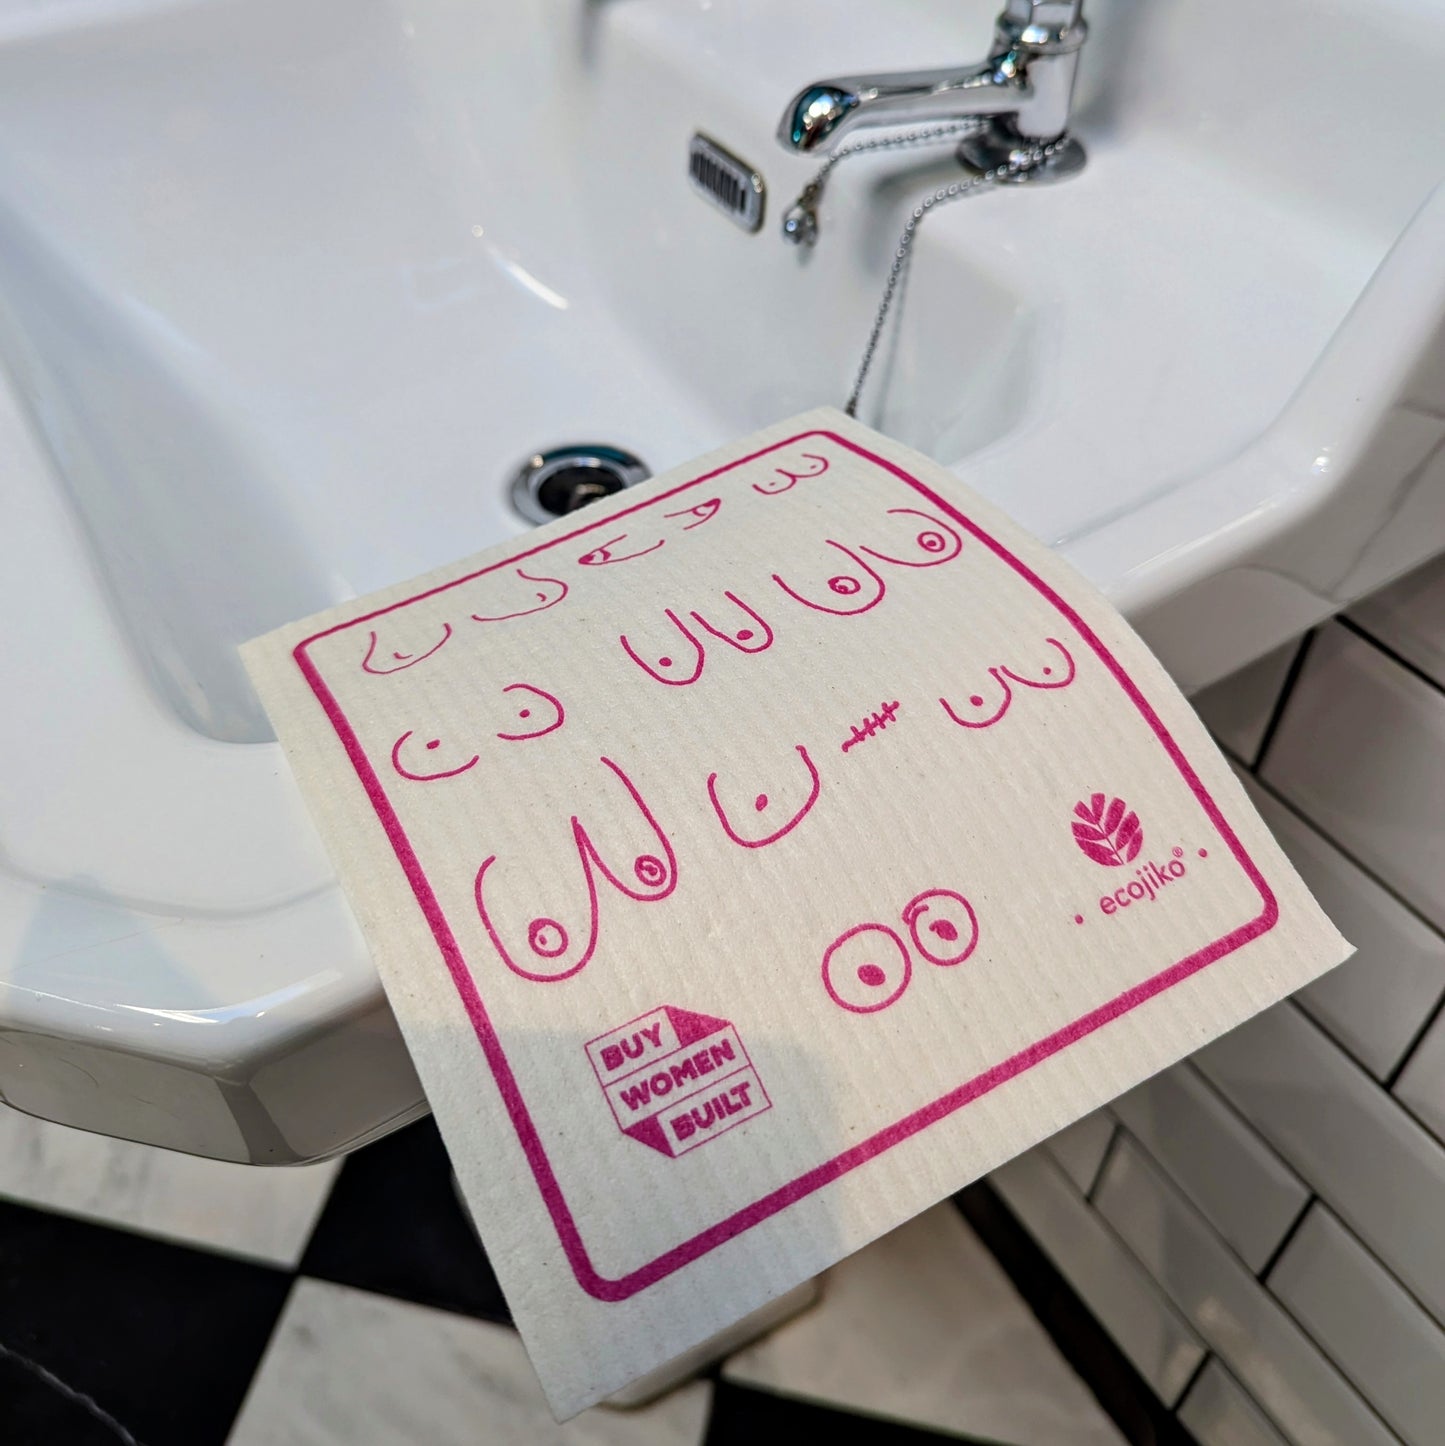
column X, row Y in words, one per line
column 752, row 635
column 703, row 512
column 784, row 478
column 936, row 542
column 942, row 925
column 776, row 822
column 853, row 589
column 676, row 658
column 547, row 593
column 544, row 922
column 380, row 660
column 538, row 712
column 1058, row 673
column 866, row 969
column 609, row 551
column 422, row 760
column 983, row 708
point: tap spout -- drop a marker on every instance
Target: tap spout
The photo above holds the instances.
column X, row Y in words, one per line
column 822, row 114
column 1028, row 78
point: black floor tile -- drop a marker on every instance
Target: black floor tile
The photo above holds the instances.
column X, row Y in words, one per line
column 101, row 1325
column 36, row 1407
column 393, row 1225
column 743, row 1417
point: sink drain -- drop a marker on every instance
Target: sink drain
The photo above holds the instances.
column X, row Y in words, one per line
column 552, row 484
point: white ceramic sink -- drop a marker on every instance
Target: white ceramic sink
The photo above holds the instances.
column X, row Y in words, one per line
column 286, row 291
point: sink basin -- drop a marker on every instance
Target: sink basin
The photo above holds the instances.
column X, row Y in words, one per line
column 286, row 293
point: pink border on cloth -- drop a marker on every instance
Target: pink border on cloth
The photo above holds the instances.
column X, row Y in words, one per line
column 621, row 1288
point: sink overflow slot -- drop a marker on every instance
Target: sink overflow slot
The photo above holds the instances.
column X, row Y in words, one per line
column 552, row 484
column 730, row 184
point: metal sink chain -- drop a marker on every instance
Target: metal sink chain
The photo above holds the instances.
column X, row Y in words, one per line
column 1019, row 163
column 800, row 223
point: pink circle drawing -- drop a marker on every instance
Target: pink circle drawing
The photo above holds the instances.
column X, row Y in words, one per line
column 547, row 937
column 942, row 925
column 866, row 969
column 845, row 586
column 650, row 870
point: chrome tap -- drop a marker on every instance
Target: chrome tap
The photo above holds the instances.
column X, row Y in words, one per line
column 1022, row 92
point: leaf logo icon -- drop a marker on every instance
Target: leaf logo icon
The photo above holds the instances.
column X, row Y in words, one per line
column 1108, row 830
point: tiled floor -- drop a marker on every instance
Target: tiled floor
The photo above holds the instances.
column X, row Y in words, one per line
column 151, row 1298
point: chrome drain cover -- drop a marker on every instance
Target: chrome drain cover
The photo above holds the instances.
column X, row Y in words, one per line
column 555, row 483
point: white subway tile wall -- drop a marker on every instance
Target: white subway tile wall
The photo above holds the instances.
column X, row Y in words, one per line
column 1079, row 1150
column 1092, row 1259
column 1361, row 1151
column 1239, row 709
column 1245, row 1191
column 1218, row 1411
column 1374, row 1002
column 1409, row 619
column 1282, row 1195
column 1421, row 1086
column 1290, row 1378
column 1358, row 752
column 1367, row 1323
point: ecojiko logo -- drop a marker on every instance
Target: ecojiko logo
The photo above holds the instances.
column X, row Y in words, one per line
column 1109, row 832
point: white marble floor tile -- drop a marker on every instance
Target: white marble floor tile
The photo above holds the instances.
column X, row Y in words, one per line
column 348, row 1368
column 263, row 1213
column 923, row 1326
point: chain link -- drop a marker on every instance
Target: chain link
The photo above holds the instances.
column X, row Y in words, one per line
column 924, row 135
column 800, row 221
column 954, row 192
